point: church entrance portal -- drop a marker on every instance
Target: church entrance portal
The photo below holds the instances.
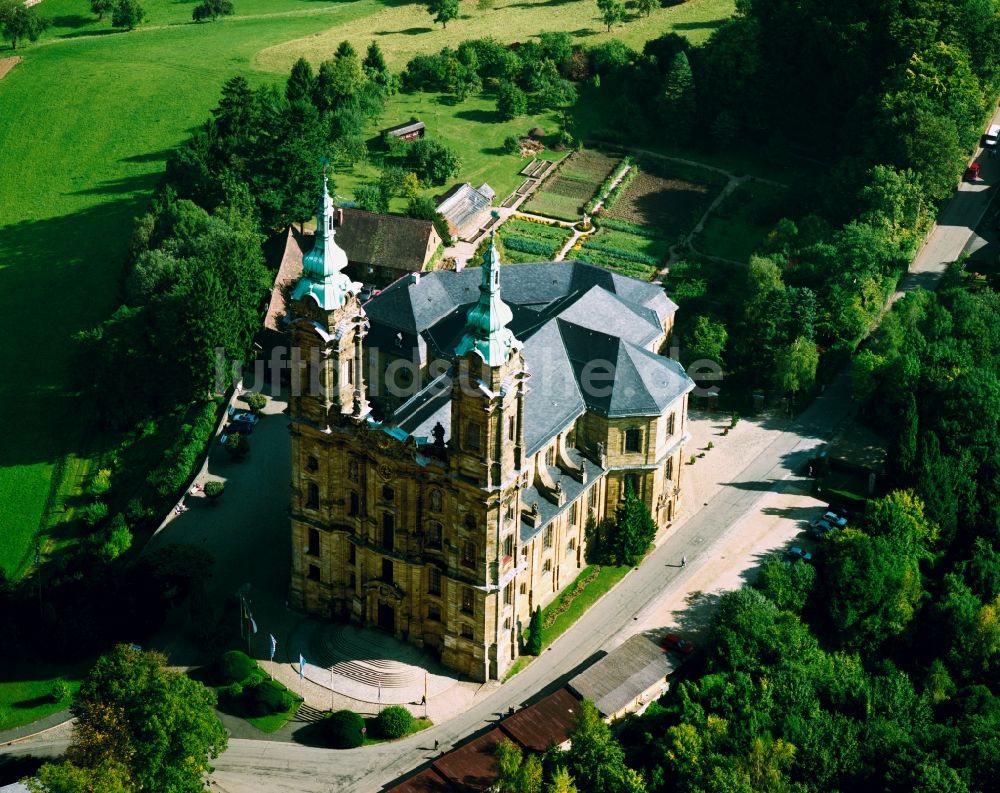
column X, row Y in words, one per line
column 387, row 617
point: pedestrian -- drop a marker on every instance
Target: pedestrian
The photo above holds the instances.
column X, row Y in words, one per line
column 435, row 744
column 684, row 561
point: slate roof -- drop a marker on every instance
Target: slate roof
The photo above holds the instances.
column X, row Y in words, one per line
column 385, row 240
column 404, row 128
column 582, row 327
column 623, row 675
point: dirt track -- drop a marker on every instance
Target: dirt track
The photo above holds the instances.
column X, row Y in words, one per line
column 6, row 64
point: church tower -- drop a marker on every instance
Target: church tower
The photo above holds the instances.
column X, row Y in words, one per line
column 328, row 395
column 488, row 385
column 328, row 328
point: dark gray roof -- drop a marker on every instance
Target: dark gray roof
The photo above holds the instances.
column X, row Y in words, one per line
column 578, row 324
column 547, row 509
column 404, row 128
column 623, row 675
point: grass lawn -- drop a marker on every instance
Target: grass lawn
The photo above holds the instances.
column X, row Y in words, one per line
column 564, row 193
column 25, row 692
column 739, row 224
column 472, row 128
column 591, row 593
column 405, row 29
column 275, row 721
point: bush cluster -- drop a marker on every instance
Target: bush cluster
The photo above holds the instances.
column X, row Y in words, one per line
column 567, row 599
column 343, row 730
column 394, row 722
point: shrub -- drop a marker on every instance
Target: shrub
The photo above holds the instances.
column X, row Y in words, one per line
column 266, row 698
column 394, row 722
column 511, row 144
column 235, row 666
column 238, row 446
column 214, row 489
column 255, row 401
column 534, row 644
column 117, row 540
column 231, row 696
column 101, row 483
column 60, row 690
column 343, row 730
column 94, row 514
column 525, row 245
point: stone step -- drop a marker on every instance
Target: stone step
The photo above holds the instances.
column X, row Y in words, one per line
column 309, row 714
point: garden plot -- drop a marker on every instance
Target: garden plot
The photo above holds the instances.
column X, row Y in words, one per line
column 737, row 227
column 668, row 198
column 529, row 241
column 564, row 194
column 636, row 252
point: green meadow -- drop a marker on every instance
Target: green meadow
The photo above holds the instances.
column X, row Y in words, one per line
column 87, row 120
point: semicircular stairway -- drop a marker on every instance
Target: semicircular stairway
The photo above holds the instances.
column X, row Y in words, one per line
column 369, row 665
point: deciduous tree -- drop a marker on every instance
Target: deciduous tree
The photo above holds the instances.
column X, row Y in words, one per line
column 443, row 11
column 127, row 14
column 19, row 22
column 612, row 12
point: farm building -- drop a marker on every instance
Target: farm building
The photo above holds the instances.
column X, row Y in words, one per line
column 411, row 130
column 464, row 207
column 627, row 679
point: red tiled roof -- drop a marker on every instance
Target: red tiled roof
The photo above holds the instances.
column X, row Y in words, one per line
column 470, row 767
column 427, row 781
column 545, row 724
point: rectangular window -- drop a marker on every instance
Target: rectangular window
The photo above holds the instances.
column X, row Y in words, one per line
column 472, row 439
column 313, row 572
column 434, row 613
column 353, row 506
column 388, row 530
column 670, row 423
column 312, row 496
column 352, row 553
column 466, row 630
column 510, row 428
column 387, row 571
column 468, row 554
column 547, row 542
column 633, row 440
column 592, row 497
column 433, row 581
column 668, row 469
column 573, row 514
column 348, row 373
column 508, row 545
column 468, row 600
column 434, row 533
column 508, row 594
column 547, row 567
column 388, row 494
column 550, row 456
column 313, row 549
column 571, row 547
column 351, row 581
column 312, row 463
column 524, row 588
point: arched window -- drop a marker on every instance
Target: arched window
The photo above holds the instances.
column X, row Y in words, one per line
column 434, row 534
column 312, row 496
column 470, row 522
column 436, row 501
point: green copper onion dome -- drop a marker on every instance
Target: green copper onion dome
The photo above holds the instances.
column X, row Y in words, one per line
column 486, row 329
column 322, row 276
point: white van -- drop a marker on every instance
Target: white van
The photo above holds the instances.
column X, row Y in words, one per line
column 991, row 136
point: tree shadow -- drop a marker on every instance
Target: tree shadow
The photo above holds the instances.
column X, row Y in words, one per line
column 72, row 20
column 479, row 116
column 86, row 33
column 13, row 769
column 152, row 156
column 144, row 183
column 404, row 32
column 707, row 24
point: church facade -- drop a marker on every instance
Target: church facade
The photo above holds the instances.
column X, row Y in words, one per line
column 454, row 437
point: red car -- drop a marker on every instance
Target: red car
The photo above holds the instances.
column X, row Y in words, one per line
column 674, row 642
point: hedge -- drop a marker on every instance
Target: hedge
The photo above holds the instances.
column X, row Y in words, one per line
column 179, row 460
column 236, row 666
column 630, row 228
column 620, row 188
column 606, row 184
column 267, row 698
column 343, row 730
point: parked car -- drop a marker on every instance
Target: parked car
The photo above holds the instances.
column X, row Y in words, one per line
column 242, row 427
column 244, row 415
column 674, row 642
column 818, row 532
column 972, row 173
column 991, row 136
column 835, row 519
column 799, row 553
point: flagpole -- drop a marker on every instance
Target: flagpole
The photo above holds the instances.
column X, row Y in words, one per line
column 425, row 693
column 331, row 689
